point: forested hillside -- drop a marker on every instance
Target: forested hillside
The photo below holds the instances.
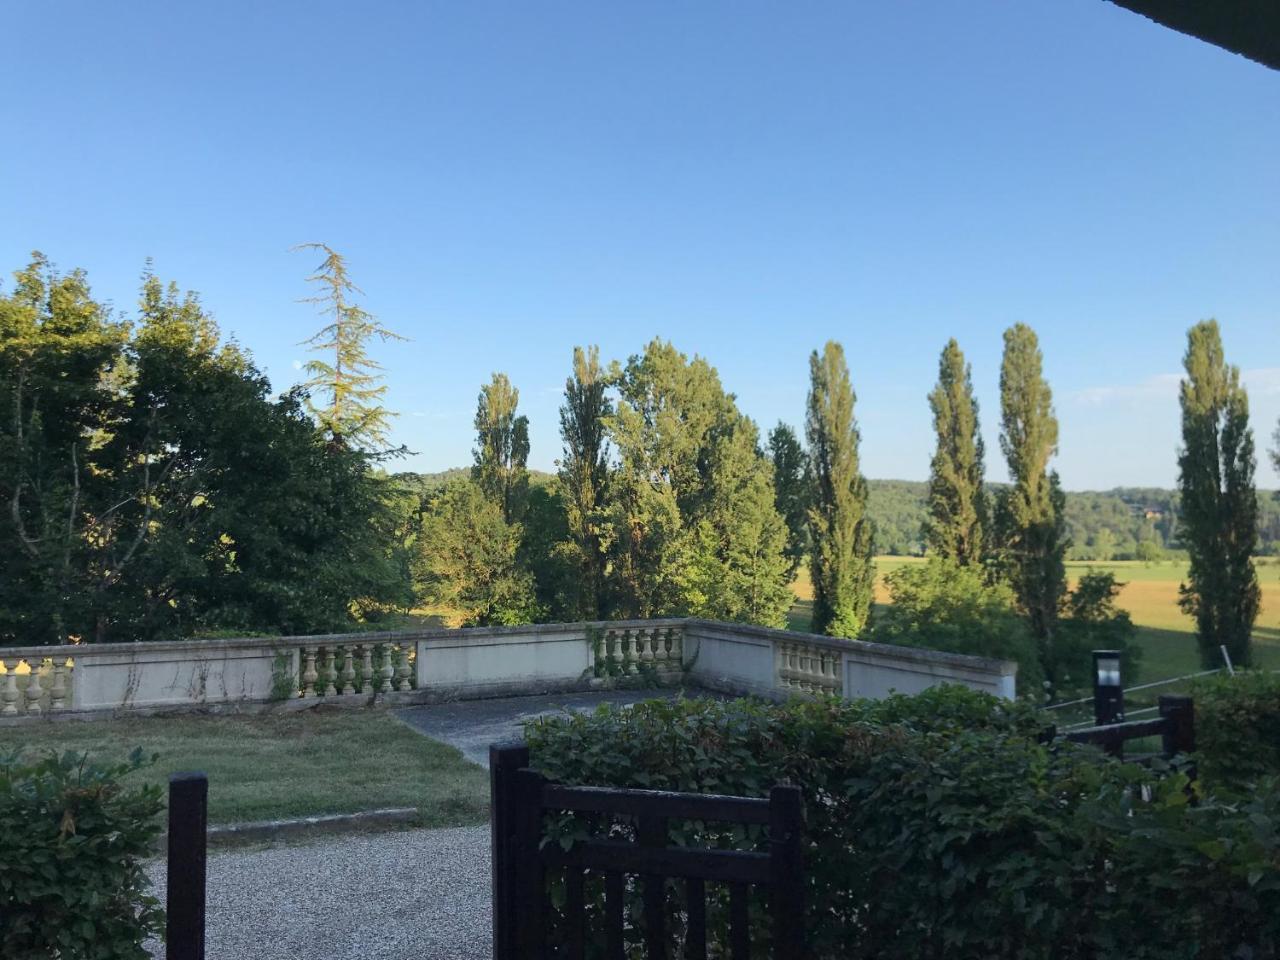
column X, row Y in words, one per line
column 1126, row 523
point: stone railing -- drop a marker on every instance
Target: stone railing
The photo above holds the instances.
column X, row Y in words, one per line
column 441, row 664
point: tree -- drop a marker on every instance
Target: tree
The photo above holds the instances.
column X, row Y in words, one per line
column 1031, row 509
column 791, row 491
column 957, row 519
column 584, row 472
column 840, row 533
column 1219, row 501
column 469, row 562
column 502, row 449
column 943, row 605
column 353, row 415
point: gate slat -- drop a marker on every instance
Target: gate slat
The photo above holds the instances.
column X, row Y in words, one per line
column 652, row 832
column 739, row 922
column 613, row 893
column 695, row 941
column 575, row 907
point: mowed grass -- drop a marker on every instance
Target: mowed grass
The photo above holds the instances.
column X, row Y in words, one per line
column 1150, row 594
column 286, row 765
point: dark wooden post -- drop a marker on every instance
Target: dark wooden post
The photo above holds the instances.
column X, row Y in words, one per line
column 529, row 894
column 652, row 832
column 188, row 818
column 1108, row 692
column 504, row 761
column 786, row 830
column 1180, row 733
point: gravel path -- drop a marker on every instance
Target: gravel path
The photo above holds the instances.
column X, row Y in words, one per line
column 412, row 895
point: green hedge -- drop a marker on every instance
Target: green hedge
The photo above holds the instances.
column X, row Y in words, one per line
column 936, row 826
column 72, row 842
column 1238, row 727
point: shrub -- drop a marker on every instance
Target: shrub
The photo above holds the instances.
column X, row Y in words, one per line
column 936, row 826
column 72, row 842
column 1238, row 727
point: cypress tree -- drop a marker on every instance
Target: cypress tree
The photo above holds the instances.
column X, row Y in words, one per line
column 840, row 531
column 1219, row 502
column 791, row 491
column 1030, row 511
column 353, row 415
column 503, row 448
column 955, row 526
column 584, row 471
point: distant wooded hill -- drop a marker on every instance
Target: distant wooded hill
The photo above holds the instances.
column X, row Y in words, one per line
column 1122, row 524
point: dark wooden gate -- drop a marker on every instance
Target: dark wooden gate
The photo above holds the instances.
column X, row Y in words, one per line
column 522, row 865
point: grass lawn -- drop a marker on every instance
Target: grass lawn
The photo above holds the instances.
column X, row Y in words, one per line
column 288, row 764
column 1150, row 594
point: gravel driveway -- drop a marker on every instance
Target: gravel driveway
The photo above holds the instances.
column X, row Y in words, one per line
column 412, row 895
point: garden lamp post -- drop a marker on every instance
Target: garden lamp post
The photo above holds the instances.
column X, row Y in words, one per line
column 1108, row 694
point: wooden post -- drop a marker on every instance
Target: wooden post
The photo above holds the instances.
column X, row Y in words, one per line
column 188, row 817
column 652, row 832
column 786, row 829
column 529, row 880
column 504, row 761
column 1180, row 715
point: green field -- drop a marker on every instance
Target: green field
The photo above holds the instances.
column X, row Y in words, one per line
column 1150, row 594
column 287, row 765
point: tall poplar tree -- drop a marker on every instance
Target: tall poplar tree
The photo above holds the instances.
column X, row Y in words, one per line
column 502, row 450
column 840, row 531
column 1031, row 510
column 352, row 413
column 956, row 525
column 791, row 491
column 1219, row 503
column 584, row 471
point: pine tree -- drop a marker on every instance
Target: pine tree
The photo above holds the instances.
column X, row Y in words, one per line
column 1219, row 502
column 353, row 415
column 1030, row 512
column 955, row 527
column 791, row 491
column 584, row 471
column 503, row 448
column 840, row 532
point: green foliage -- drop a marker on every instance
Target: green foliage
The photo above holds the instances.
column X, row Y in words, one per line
column 1092, row 621
column 791, row 491
column 71, row 865
column 938, row 827
column 353, row 415
column 840, row 532
column 942, row 605
column 502, row 448
column 584, row 475
column 469, row 561
column 1029, row 513
column 957, row 520
column 1219, row 502
column 1238, row 728
column 171, row 494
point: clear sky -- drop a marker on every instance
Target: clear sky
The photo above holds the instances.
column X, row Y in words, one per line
column 746, row 179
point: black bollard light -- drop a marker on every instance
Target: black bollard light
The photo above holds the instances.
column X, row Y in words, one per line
column 1108, row 694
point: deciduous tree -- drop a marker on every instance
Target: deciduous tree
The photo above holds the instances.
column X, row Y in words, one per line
column 956, row 525
column 502, row 448
column 791, row 491
column 1219, row 501
column 584, row 472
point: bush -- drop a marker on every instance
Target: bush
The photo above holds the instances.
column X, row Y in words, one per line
column 936, row 826
column 1238, row 727
column 72, row 842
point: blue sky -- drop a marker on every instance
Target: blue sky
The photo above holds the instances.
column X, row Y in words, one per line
column 746, row 179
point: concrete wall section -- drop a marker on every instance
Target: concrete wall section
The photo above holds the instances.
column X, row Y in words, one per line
column 162, row 674
column 467, row 659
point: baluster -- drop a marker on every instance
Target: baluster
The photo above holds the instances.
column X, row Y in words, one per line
column 58, row 692
column 348, row 670
column 648, row 639
column 833, row 672
column 658, row 641
column 9, row 695
column 675, row 647
column 366, row 668
column 387, row 671
column 614, row 645
column 782, row 664
column 633, row 657
column 793, row 666
column 309, row 675
column 330, row 672
column 34, row 690
column 402, row 668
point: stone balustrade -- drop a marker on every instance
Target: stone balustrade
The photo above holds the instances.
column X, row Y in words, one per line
column 427, row 665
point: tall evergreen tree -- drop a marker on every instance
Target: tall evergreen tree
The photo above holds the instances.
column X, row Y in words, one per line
column 1219, row 501
column 956, row 525
column 1031, row 510
column 353, row 415
column 791, row 491
column 840, row 531
column 502, row 450
column 584, row 471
